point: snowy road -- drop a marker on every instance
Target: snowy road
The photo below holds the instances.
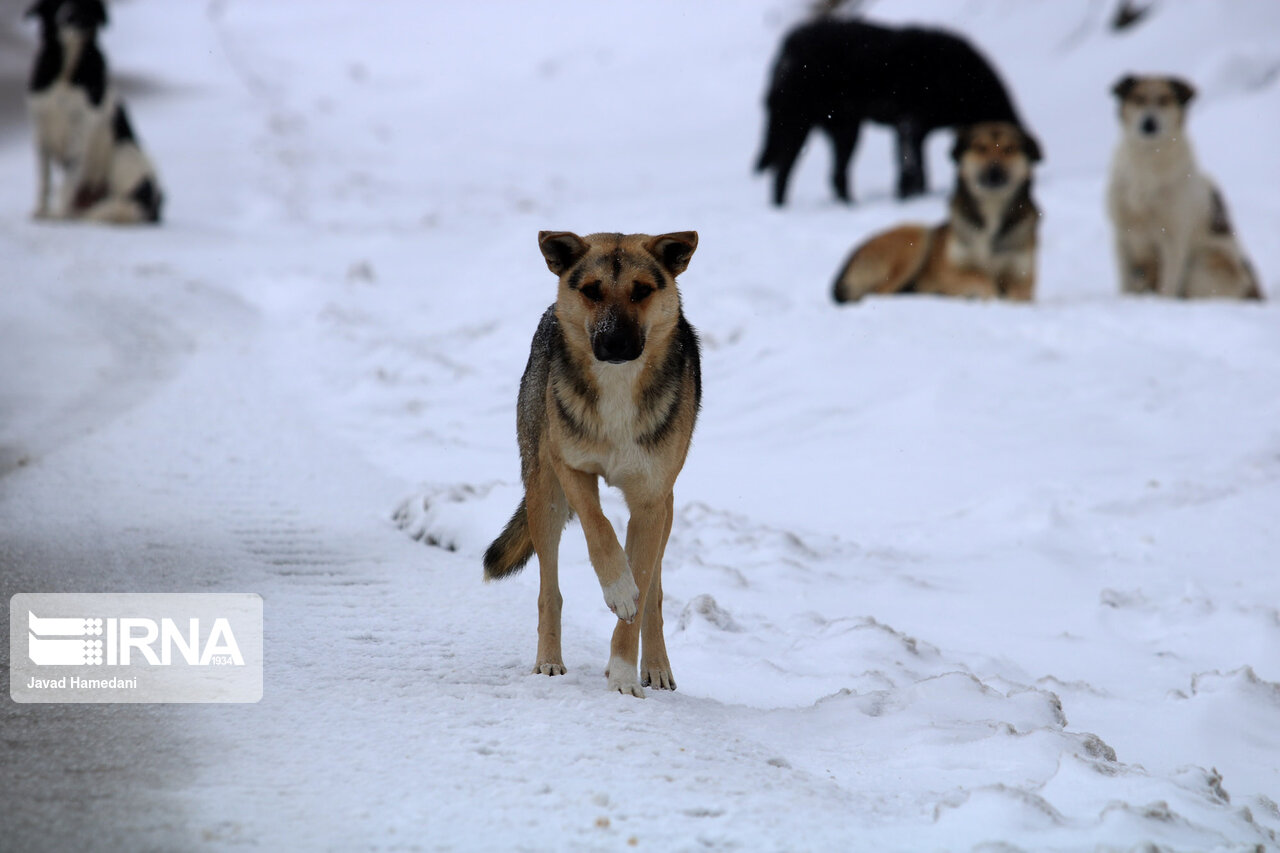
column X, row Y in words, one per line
column 942, row 575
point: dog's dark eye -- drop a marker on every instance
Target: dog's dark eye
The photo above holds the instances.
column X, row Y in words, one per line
column 592, row 291
column 641, row 291
column 1163, row 101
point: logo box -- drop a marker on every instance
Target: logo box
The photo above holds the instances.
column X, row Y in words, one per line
column 135, row 647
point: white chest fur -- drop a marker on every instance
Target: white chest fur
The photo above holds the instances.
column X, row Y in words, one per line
column 616, row 455
column 975, row 249
column 1156, row 186
column 63, row 117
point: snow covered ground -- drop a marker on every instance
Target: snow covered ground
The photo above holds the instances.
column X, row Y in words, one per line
column 942, row 576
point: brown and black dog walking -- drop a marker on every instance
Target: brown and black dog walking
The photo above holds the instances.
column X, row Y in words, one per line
column 611, row 390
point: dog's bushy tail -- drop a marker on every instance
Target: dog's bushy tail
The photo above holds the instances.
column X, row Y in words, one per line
column 512, row 549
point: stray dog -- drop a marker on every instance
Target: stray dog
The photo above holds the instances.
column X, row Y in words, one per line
column 81, row 124
column 612, row 389
column 835, row 74
column 986, row 249
column 1172, row 232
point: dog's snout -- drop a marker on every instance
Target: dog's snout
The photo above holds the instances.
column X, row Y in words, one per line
column 617, row 339
column 993, row 176
column 1149, row 125
column 616, row 348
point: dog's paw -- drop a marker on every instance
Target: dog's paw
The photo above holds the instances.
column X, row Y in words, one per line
column 622, row 678
column 656, row 676
column 623, row 597
column 548, row 667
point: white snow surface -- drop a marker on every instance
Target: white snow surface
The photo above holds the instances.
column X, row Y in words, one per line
column 943, row 575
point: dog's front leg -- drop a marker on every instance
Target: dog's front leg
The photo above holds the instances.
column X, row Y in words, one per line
column 43, row 168
column 1018, row 288
column 968, row 284
column 70, row 188
column 844, row 141
column 645, row 535
column 583, row 493
column 1137, row 268
column 1174, row 252
column 546, row 515
column 655, row 667
column 1017, row 280
column 911, row 177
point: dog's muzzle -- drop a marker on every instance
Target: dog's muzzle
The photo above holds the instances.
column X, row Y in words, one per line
column 617, row 339
column 1149, row 126
column 994, row 176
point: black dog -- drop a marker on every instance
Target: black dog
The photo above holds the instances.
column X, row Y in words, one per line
column 834, row 74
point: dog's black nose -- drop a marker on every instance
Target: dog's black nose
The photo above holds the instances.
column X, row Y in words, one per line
column 615, row 349
column 993, row 176
column 1149, row 126
column 617, row 342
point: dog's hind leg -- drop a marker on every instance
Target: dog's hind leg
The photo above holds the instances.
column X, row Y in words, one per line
column 844, row 142
column 911, row 176
column 887, row 263
column 547, row 515
column 655, row 667
column 1219, row 270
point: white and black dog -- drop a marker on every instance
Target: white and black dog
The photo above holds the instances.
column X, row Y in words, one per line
column 1172, row 232
column 81, row 124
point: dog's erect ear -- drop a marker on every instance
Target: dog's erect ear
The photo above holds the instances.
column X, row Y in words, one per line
column 91, row 12
column 95, row 11
column 562, row 249
column 1031, row 145
column 42, row 9
column 674, row 250
column 1124, row 86
column 1182, row 90
column 962, row 142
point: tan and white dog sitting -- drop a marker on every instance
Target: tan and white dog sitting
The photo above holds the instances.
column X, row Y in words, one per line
column 986, row 248
column 1172, row 232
